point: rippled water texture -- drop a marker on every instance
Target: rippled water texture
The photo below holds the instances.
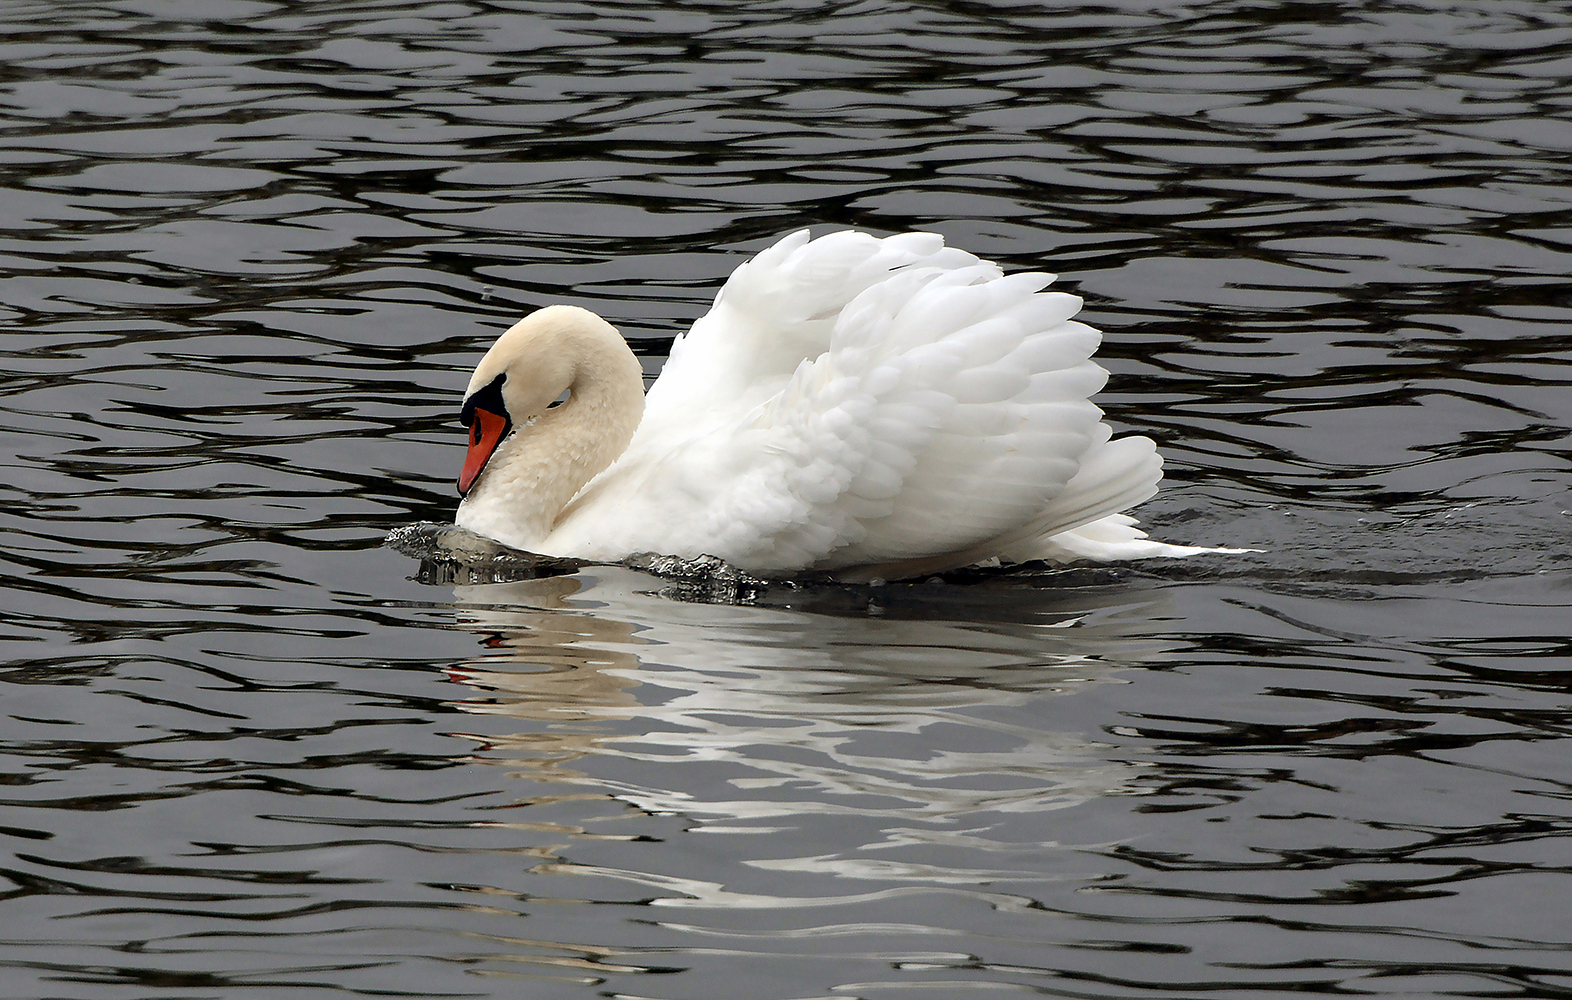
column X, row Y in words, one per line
column 250, row 250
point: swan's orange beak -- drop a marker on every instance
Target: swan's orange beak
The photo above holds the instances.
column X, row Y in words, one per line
column 485, row 433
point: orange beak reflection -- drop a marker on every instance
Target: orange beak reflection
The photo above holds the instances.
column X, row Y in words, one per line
column 485, row 434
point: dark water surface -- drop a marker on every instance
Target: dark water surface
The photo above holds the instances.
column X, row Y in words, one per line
column 249, row 251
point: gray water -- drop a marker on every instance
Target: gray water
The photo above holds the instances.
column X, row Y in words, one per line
column 250, row 251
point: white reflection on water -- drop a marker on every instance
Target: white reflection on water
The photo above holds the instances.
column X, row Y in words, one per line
column 774, row 720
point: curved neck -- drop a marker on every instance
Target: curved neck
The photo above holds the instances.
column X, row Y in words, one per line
column 539, row 468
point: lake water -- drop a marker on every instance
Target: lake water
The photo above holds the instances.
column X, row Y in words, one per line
column 249, row 252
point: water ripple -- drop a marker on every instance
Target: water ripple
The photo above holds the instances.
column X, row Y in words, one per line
column 248, row 256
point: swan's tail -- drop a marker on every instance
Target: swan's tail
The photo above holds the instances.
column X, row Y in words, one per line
column 1084, row 522
column 1114, row 476
column 1110, row 539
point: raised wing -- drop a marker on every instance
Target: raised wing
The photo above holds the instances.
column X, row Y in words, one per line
column 774, row 312
column 946, row 412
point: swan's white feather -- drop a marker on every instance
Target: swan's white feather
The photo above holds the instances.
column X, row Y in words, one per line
column 857, row 402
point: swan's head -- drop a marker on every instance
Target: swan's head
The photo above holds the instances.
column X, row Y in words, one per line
column 525, row 372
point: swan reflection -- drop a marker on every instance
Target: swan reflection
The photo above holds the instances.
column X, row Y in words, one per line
column 749, row 719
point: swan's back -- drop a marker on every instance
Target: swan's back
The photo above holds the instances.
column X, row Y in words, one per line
column 860, row 402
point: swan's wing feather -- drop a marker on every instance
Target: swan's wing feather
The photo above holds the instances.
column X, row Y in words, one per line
column 945, row 415
column 949, row 408
column 1018, row 421
column 774, row 312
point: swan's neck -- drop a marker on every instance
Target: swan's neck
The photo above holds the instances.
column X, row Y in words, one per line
column 539, row 468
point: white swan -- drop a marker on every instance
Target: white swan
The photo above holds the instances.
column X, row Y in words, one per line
column 874, row 408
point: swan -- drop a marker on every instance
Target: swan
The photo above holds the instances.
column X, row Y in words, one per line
column 868, row 408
